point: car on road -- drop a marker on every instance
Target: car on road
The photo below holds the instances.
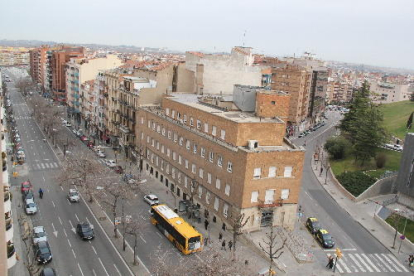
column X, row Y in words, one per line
column 31, row 207
column 118, row 169
column 28, row 195
column 324, row 238
column 67, row 124
column 151, row 199
column 48, row 271
column 85, row 230
column 84, row 138
column 42, row 252
column 39, row 234
column 73, row 195
column 313, row 225
column 100, row 154
column 25, row 186
column 110, row 163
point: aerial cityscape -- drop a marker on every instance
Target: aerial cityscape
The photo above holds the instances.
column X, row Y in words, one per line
column 193, row 140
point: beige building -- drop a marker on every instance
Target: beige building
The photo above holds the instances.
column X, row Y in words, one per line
column 384, row 92
column 228, row 161
column 11, row 56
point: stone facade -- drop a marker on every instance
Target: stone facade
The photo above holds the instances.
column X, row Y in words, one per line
column 404, row 185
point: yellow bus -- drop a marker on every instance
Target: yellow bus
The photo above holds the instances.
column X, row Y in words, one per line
column 187, row 239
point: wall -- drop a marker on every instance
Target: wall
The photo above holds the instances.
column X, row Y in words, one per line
column 185, row 79
column 272, row 104
column 405, row 180
column 244, row 97
column 381, row 187
column 91, row 68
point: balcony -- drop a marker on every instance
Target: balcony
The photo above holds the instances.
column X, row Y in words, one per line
column 9, row 230
column 11, row 255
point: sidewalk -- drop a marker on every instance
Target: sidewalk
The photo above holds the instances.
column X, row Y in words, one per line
column 366, row 214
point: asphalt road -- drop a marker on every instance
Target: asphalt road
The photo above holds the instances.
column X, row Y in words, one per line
column 362, row 252
column 71, row 255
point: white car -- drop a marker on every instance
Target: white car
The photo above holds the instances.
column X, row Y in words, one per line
column 100, row 154
column 31, row 208
column 68, row 124
column 110, row 163
column 398, row 147
column 73, row 195
column 39, row 234
column 151, row 199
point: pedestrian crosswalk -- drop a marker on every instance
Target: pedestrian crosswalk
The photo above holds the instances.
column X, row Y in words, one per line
column 369, row 263
column 45, row 166
column 22, row 118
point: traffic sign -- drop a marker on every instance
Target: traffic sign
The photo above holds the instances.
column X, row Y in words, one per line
column 402, row 237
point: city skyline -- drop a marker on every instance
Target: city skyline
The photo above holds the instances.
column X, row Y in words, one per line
column 350, row 32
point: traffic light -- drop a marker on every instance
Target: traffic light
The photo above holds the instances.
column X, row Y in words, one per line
column 338, row 253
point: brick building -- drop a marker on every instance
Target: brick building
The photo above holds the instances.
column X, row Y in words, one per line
column 228, row 161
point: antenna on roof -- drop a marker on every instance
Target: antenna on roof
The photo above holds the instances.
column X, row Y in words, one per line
column 244, row 37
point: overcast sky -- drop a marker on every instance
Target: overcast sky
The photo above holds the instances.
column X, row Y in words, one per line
column 377, row 32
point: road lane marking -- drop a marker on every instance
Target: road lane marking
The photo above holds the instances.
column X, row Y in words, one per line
column 384, row 263
column 77, row 217
column 54, row 206
column 64, row 231
column 74, row 255
column 47, row 165
column 61, row 187
column 364, row 263
column 370, row 262
column 93, row 248
column 391, row 263
column 117, row 270
column 103, row 266
column 142, row 239
column 94, row 273
column 143, row 217
column 392, row 257
column 80, row 270
column 60, row 220
column 70, row 245
column 71, row 225
column 159, row 234
column 42, row 165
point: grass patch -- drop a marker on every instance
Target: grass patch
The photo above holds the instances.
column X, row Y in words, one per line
column 409, row 229
column 348, row 164
column 396, row 116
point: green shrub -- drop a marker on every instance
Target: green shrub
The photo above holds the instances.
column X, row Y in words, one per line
column 336, row 147
column 380, row 160
column 356, row 182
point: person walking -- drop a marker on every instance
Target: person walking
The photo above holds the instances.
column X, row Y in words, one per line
column 223, row 227
column 206, row 224
column 40, row 193
column 330, row 262
column 230, row 245
column 220, row 236
column 223, row 245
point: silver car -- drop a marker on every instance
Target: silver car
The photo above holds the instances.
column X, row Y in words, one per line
column 31, row 208
column 39, row 234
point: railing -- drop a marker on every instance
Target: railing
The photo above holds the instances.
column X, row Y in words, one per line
column 9, row 224
column 10, row 250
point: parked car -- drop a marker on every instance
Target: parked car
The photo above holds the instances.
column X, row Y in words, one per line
column 100, row 154
column 151, row 199
column 313, row 225
column 48, row 271
column 31, row 207
column 324, row 238
column 110, row 163
column 85, row 231
column 25, row 186
column 43, row 253
column 73, row 195
column 28, row 195
column 39, row 234
column 68, row 124
column 118, row 169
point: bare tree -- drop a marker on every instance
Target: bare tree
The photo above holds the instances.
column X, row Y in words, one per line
column 134, row 227
column 27, row 236
column 238, row 222
column 271, row 248
column 23, row 84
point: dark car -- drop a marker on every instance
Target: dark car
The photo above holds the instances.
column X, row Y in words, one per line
column 85, row 231
column 28, row 194
column 324, row 238
column 118, row 169
column 313, row 225
column 48, row 271
column 42, row 252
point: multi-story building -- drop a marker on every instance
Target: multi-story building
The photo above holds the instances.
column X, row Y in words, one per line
column 89, row 102
column 7, row 250
column 342, row 91
column 80, row 70
column 228, row 154
column 58, row 65
column 38, row 59
column 384, row 92
column 11, row 56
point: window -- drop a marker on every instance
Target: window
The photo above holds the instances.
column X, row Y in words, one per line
column 158, row 145
column 180, row 159
column 142, row 135
column 179, row 177
column 158, row 129
column 214, row 131
column 272, row 171
column 169, row 134
column 178, row 116
column 198, row 124
column 227, row 190
column 156, row 160
column 195, row 149
column 172, row 113
column 187, row 145
column 162, row 165
column 149, row 124
column 284, row 194
column 167, row 111
column 168, row 152
column 167, row 169
column 153, row 126
column 175, row 137
column 173, row 173
column 220, row 161
column 269, row 196
column 288, row 172
column 203, row 152
column 209, row 178
column 191, row 121
column 201, row 173
column 162, row 148
column 257, row 173
column 255, row 196
column 218, row 183
column 229, row 167
column 200, row 191
column 211, row 157
column 208, row 194
column 163, row 131
column 273, row 102
column 185, row 119
column 153, row 142
column 216, row 204
column 181, row 141
column 205, row 127
column 142, row 120
column 193, row 168
column 186, row 163
column 185, row 181
column 225, row 209
column 222, row 134
column 174, row 154
column 148, row 139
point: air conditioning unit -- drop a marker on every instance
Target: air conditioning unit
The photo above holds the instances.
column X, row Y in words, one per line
column 253, row 144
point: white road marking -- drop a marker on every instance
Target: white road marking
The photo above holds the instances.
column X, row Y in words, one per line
column 61, row 188
column 370, row 262
column 364, row 263
column 117, row 270
column 44, row 180
column 391, row 263
column 80, row 270
column 54, row 206
column 343, row 264
column 384, row 263
column 142, row 239
column 74, row 255
column 43, row 166
column 93, row 248
column 159, row 234
column 71, row 225
column 88, row 220
column 70, row 245
column 47, row 165
column 143, row 217
column 77, row 217
column 392, row 257
column 103, row 266
column 64, row 231
column 60, row 220
column 94, row 273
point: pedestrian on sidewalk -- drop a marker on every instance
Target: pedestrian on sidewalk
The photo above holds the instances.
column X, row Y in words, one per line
column 223, row 227
column 220, row 236
column 230, row 245
column 206, row 224
column 223, row 245
column 330, row 262
column 321, row 172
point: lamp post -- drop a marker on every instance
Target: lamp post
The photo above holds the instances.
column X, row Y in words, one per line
column 397, row 221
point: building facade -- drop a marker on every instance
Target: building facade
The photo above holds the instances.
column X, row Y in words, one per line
column 227, row 161
column 384, row 92
column 12, row 56
column 404, row 184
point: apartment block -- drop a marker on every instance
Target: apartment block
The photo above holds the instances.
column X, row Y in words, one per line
column 385, row 92
column 38, row 59
column 228, row 161
column 11, row 56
